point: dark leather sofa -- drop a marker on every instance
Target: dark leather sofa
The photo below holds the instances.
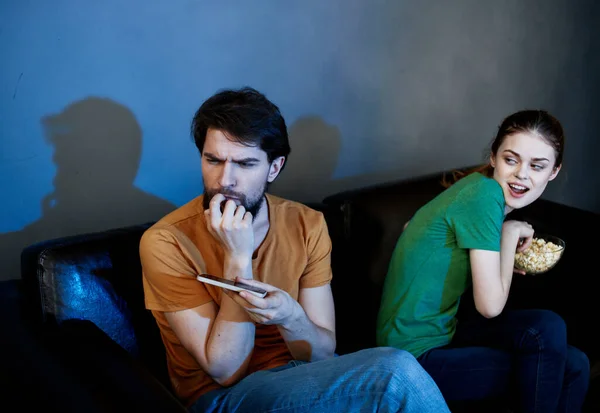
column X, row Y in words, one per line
column 76, row 336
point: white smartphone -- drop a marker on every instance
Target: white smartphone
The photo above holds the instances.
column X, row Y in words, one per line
column 231, row 285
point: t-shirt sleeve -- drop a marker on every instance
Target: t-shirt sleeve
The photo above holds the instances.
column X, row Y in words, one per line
column 318, row 267
column 477, row 214
column 169, row 279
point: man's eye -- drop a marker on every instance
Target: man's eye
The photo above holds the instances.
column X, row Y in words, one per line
column 537, row 167
column 246, row 164
column 212, row 161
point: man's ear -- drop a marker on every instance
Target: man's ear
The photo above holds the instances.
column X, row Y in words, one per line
column 555, row 172
column 275, row 168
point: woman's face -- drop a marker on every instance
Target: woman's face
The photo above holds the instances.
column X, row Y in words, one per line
column 523, row 166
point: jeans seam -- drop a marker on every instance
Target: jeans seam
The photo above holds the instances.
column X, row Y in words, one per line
column 362, row 394
column 565, row 391
column 540, row 342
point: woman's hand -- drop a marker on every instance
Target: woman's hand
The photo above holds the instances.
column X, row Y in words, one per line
column 524, row 234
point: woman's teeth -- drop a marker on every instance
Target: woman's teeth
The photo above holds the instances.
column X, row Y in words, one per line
column 520, row 189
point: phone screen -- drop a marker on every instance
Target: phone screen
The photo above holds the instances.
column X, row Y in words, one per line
column 234, row 283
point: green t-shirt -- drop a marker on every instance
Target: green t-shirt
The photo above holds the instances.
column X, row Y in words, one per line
column 430, row 267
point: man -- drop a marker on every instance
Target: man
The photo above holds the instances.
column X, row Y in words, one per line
column 236, row 352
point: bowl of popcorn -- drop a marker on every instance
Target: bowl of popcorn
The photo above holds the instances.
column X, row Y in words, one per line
column 541, row 256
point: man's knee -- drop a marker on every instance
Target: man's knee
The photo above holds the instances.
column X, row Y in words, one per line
column 398, row 362
column 400, row 379
column 389, row 355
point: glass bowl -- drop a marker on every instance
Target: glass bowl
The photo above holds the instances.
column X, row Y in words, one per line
column 541, row 256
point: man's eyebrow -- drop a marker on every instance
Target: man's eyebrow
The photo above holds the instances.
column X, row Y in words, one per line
column 243, row 160
column 246, row 160
column 534, row 159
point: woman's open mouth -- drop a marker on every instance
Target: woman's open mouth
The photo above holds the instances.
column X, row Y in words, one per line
column 517, row 190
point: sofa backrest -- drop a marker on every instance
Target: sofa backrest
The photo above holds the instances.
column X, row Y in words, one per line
column 372, row 220
column 95, row 277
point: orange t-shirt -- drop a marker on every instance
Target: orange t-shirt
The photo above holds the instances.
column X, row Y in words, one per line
column 296, row 253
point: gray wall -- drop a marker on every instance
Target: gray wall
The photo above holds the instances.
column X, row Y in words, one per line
column 446, row 75
column 96, row 97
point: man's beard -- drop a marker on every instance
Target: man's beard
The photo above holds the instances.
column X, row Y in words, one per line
column 251, row 205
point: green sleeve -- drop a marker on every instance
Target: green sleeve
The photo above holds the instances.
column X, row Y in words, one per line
column 477, row 214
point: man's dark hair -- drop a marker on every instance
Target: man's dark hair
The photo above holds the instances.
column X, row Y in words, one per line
column 245, row 116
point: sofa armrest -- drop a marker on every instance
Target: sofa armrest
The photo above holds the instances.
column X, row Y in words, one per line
column 70, row 367
column 33, row 373
column 108, row 369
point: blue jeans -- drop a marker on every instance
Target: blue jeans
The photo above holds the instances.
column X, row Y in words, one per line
column 521, row 355
column 373, row 380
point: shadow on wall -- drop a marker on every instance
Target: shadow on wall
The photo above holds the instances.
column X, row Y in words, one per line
column 316, row 146
column 308, row 174
column 97, row 149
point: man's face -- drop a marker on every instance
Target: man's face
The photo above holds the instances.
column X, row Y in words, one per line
column 241, row 173
column 523, row 167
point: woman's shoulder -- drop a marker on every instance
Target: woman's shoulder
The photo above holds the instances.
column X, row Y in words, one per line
column 476, row 192
column 479, row 183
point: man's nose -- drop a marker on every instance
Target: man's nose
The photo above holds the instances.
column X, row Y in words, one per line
column 227, row 178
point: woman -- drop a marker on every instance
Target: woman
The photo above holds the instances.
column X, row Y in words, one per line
column 461, row 239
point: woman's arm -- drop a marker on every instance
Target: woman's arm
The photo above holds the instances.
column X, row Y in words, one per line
column 492, row 271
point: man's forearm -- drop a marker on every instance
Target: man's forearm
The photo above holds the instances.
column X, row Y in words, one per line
column 231, row 340
column 306, row 340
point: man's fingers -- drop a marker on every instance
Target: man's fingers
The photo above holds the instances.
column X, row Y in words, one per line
column 254, row 300
column 228, row 211
column 267, row 287
column 259, row 315
column 247, row 300
column 239, row 214
column 208, row 217
column 235, row 296
column 215, row 204
column 214, row 211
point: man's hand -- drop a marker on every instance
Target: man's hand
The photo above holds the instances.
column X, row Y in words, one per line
column 232, row 228
column 276, row 308
column 305, row 339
